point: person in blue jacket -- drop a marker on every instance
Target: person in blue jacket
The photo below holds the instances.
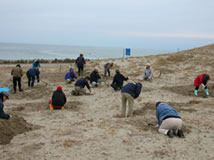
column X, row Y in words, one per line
column 70, row 76
column 80, row 86
column 169, row 121
column 129, row 92
column 31, row 73
column 3, row 97
column 36, row 65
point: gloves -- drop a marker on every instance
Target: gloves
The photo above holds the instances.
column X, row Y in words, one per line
column 202, row 85
column 10, row 115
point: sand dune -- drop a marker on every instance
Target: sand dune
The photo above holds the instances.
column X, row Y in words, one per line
column 87, row 127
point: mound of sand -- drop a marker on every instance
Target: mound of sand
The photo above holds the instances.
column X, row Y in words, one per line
column 12, row 127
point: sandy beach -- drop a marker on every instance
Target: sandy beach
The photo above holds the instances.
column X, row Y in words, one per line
column 88, row 129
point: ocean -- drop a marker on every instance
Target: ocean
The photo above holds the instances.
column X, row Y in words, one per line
column 13, row 51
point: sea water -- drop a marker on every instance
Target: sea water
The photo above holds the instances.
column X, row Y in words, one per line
column 11, row 51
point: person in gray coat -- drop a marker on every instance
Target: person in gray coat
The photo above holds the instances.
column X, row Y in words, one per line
column 148, row 72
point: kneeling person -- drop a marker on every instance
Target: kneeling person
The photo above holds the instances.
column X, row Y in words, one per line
column 169, row 121
column 58, row 99
column 95, row 78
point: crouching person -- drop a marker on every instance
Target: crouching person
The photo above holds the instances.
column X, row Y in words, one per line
column 169, row 121
column 80, row 86
column 118, row 80
column 58, row 99
column 3, row 97
column 201, row 80
column 70, row 76
column 95, row 78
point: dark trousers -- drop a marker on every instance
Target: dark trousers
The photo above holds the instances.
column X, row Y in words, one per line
column 37, row 77
column 107, row 71
column 15, row 81
column 80, row 69
column 205, row 83
column 31, row 80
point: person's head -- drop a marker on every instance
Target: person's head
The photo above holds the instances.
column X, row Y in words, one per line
column 96, row 69
column 59, row 88
column 206, row 77
column 4, row 96
column 81, row 54
column 112, row 64
column 71, row 69
column 157, row 104
column 117, row 70
column 87, row 78
column 148, row 65
column 18, row 65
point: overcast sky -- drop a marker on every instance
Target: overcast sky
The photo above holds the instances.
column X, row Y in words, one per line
column 149, row 24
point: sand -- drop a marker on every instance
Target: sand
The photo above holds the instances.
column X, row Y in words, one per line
column 88, row 129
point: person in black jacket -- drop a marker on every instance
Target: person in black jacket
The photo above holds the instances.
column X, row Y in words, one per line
column 3, row 97
column 95, row 78
column 117, row 83
column 80, row 62
column 58, row 99
column 129, row 92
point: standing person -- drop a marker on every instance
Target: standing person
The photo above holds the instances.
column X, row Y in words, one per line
column 148, row 72
column 80, row 61
column 36, row 65
column 31, row 73
column 17, row 73
column 95, row 78
column 79, row 86
column 118, row 79
column 70, row 76
column 129, row 92
column 58, row 99
column 107, row 67
column 169, row 121
column 3, row 97
column 202, row 80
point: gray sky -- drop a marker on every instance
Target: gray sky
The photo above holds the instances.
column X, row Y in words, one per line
column 149, row 24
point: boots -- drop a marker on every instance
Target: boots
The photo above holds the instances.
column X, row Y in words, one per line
column 180, row 134
column 170, row 133
column 196, row 92
column 207, row 92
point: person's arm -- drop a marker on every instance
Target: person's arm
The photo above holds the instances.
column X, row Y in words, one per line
column 87, row 85
column 84, row 60
column 151, row 73
column 137, row 91
column 157, row 117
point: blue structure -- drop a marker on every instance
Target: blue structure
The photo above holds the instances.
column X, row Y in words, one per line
column 128, row 52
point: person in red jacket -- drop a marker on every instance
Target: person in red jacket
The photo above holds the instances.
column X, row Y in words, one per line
column 202, row 80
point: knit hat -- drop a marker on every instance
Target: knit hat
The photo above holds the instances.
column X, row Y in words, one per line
column 6, row 94
column 206, row 77
column 59, row 88
column 117, row 70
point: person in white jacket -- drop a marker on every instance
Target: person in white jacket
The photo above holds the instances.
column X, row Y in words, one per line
column 148, row 72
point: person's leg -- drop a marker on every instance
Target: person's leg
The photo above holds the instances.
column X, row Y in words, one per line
column 32, row 79
column 170, row 124
column 123, row 107
column 19, row 83
column 108, row 72
column 37, row 76
column 29, row 80
column 131, row 105
column 14, row 84
column 105, row 72
column 78, row 69
column 196, row 90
